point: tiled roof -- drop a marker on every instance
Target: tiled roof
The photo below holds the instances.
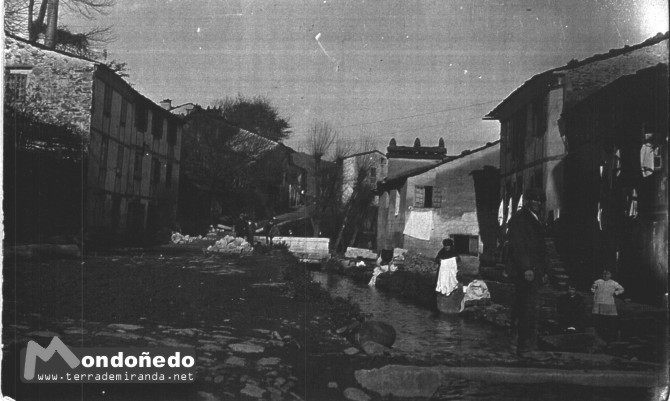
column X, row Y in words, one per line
column 590, row 74
column 363, row 153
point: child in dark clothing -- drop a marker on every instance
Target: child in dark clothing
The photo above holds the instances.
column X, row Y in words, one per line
column 571, row 311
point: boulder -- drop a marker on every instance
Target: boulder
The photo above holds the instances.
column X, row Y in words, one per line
column 373, row 348
column 378, row 332
column 355, row 394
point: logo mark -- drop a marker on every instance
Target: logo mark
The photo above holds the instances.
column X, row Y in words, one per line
column 34, row 351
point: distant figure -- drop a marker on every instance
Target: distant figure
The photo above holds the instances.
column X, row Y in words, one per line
column 571, row 311
column 604, row 309
column 241, row 226
column 271, row 230
column 251, row 231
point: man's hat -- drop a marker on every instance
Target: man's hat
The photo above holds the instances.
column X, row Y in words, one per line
column 534, row 194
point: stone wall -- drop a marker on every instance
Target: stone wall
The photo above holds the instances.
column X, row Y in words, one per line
column 59, row 87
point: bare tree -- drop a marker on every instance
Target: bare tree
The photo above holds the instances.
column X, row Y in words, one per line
column 320, row 139
column 16, row 16
column 358, row 205
column 41, row 17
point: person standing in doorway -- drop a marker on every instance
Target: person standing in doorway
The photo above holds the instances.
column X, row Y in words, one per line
column 526, row 265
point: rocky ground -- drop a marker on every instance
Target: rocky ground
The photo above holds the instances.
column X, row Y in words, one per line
column 260, row 329
column 255, row 335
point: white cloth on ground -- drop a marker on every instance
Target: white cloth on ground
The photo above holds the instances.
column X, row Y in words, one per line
column 446, row 278
column 477, row 289
column 376, row 272
column 419, row 224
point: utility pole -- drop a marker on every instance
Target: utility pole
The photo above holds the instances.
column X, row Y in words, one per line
column 52, row 24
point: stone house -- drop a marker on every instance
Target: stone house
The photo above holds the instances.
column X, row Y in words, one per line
column 532, row 139
column 534, row 148
column 616, row 201
column 449, row 199
column 129, row 146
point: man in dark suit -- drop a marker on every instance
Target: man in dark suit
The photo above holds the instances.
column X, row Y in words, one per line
column 526, row 265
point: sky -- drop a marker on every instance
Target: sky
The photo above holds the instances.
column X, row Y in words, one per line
column 373, row 70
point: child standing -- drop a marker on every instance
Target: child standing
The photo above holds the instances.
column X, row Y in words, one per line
column 604, row 308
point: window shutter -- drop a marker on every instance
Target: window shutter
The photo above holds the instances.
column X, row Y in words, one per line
column 437, row 198
column 474, row 245
column 419, row 197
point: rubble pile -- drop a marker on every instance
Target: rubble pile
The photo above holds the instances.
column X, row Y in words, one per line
column 231, row 245
column 418, row 263
column 178, row 238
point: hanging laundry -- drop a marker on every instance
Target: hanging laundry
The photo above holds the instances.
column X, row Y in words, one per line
column 617, row 163
column 520, row 205
column 501, row 213
column 419, row 224
column 600, row 217
column 632, row 209
column 446, row 278
column 648, row 153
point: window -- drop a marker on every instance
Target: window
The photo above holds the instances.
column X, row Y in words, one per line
column 540, row 116
column 168, row 175
column 171, row 133
column 124, row 112
column 15, row 86
column 536, row 179
column 155, row 171
column 141, row 116
column 107, row 104
column 427, row 196
column 466, row 244
column 119, row 160
column 102, row 173
column 373, row 173
column 509, row 125
column 137, row 173
column 170, row 151
column 157, row 125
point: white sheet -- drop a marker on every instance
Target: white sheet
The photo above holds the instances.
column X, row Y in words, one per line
column 419, row 224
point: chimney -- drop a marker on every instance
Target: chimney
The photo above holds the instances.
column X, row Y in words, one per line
column 166, row 104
